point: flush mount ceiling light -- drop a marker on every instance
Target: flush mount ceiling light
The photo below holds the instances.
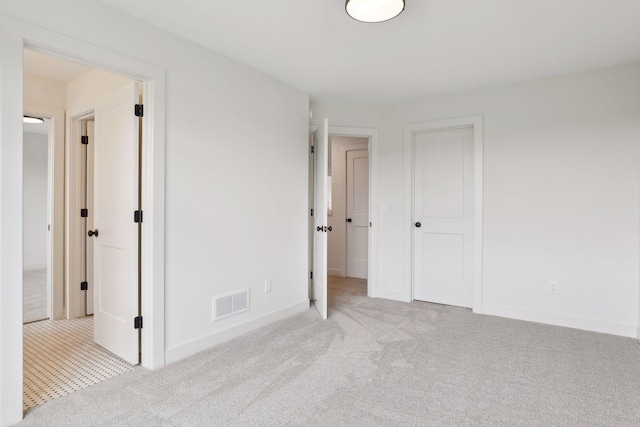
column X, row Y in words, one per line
column 374, row 10
column 29, row 119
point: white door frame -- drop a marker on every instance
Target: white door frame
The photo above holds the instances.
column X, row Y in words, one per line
column 15, row 35
column 55, row 206
column 312, row 200
column 75, row 232
column 475, row 122
column 372, row 134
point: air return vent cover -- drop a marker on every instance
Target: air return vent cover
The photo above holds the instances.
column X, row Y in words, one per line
column 230, row 304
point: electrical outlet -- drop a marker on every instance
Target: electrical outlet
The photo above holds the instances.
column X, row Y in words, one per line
column 553, row 286
column 267, row 286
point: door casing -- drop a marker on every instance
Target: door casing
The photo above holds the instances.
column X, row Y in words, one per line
column 75, row 237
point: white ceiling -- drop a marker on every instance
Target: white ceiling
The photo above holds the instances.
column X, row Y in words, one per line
column 39, row 128
column 433, row 46
column 51, row 67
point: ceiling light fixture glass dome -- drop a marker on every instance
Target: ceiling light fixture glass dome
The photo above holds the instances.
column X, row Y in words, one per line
column 374, row 10
column 30, row 119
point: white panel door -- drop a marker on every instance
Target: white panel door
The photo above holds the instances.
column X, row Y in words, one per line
column 116, row 179
column 443, row 217
column 320, row 216
column 357, row 213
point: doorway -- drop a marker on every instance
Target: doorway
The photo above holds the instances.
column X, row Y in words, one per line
column 358, row 146
column 76, row 348
column 36, row 203
column 21, row 35
column 348, row 210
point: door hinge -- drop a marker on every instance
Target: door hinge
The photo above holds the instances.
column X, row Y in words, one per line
column 313, row 149
column 84, row 139
column 84, row 286
column 139, row 110
column 137, row 216
column 311, row 275
column 84, row 213
column 137, row 322
column 311, row 212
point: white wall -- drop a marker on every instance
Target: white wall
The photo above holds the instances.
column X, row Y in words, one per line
column 35, row 201
column 43, row 91
column 82, row 92
column 353, row 115
column 236, row 171
column 561, row 197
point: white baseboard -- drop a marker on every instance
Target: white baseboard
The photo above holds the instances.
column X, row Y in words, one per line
column 335, row 272
column 190, row 348
column 562, row 320
column 29, row 267
column 393, row 295
column 638, row 332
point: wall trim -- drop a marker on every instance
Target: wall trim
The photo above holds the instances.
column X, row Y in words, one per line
column 393, row 295
column 475, row 122
column 592, row 325
column 190, row 348
column 335, row 272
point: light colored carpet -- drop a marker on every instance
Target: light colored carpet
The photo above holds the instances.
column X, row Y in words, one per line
column 377, row 362
column 60, row 357
column 34, row 295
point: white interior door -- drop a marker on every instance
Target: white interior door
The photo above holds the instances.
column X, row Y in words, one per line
column 357, row 213
column 443, row 217
column 116, row 246
column 320, row 216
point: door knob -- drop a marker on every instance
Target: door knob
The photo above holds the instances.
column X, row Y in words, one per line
column 93, row 233
column 348, row 219
column 330, row 228
column 418, row 225
column 318, row 228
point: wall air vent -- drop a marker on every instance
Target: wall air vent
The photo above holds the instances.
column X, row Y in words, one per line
column 230, row 304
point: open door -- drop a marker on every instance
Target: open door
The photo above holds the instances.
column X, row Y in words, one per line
column 116, row 234
column 320, row 229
